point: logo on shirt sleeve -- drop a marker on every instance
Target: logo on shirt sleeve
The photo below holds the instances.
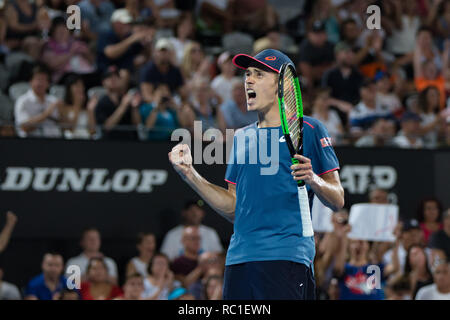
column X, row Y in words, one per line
column 326, row 142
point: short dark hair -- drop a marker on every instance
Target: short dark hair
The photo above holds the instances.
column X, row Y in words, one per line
column 41, row 69
column 69, row 291
column 421, row 207
column 57, row 21
column 188, row 204
column 132, row 276
column 86, row 230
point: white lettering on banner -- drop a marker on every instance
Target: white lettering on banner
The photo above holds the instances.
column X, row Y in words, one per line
column 358, row 179
column 77, row 180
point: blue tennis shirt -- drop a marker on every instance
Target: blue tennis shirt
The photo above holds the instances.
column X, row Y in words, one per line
column 268, row 223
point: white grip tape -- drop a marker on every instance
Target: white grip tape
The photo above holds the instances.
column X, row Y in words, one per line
column 304, row 212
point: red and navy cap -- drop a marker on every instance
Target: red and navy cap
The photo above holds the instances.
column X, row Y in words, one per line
column 269, row 58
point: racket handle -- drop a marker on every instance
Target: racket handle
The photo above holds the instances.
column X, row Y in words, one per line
column 300, row 183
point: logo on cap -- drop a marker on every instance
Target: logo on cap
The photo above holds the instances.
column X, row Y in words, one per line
column 271, row 58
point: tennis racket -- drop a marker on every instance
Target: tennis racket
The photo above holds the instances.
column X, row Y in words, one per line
column 291, row 115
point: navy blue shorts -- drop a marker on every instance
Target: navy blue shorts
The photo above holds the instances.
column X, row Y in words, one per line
column 269, row 280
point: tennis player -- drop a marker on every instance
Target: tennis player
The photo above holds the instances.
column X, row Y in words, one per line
column 268, row 258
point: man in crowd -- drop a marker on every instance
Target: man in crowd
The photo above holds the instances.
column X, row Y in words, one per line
column 36, row 112
column 91, row 243
column 440, row 240
column 193, row 215
column 51, row 282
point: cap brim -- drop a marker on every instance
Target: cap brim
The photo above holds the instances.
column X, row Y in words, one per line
column 243, row 61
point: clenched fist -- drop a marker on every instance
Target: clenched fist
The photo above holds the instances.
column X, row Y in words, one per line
column 181, row 159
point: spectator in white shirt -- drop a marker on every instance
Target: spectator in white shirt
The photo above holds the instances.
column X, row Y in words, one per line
column 223, row 82
column 409, row 135
column 146, row 245
column 36, row 112
column 440, row 289
column 91, row 243
column 193, row 215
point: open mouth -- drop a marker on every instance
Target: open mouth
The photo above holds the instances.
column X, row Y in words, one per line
column 251, row 94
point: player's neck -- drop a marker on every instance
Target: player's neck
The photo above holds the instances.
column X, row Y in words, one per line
column 271, row 118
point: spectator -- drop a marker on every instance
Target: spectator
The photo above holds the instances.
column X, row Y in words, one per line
column 429, row 66
column 22, row 21
column 379, row 196
column 77, row 122
column 368, row 109
column 161, row 70
column 223, row 82
column 409, row 136
column 163, row 115
column 398, row 288
column 384, row 92
column 69, row 294
column 325, row 11
column 91, row 243
column 233, row 113
column 146, row 246
column 195, row 64
column 98, row 285
column 122, row 44
column 8, row 291
column 431, row 118
column 329, row 117
column 410, row 235
column 63, row 54
column 192, row 214
column 417, row 269
column 184, row 33
column 254, row 17
column 96, row 15
column 344, row 80
column 380, row 134
column 213, row 288
column 353, row 275
column 315, row 54
column 210, row 264
column 36, row 113
column 50, row 282
column 429, row 215
column 160, row 279
column 205, row 103
column 187, row 261
column 440, row 240
column 118, row 113
column 5, row 234
column 132, row 288
column 402, row 28
column 440, row 289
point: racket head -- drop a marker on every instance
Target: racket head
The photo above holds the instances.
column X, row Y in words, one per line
column 291, row 108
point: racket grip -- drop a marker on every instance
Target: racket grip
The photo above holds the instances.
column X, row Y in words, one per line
column 300, row 183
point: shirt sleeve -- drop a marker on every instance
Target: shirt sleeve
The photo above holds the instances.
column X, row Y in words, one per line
column 323, row 159
column 231, row 173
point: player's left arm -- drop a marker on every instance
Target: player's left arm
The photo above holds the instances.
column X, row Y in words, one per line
column 327, row 187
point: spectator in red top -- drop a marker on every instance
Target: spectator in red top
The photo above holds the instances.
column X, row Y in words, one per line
column 429, row 214
column 98, row 287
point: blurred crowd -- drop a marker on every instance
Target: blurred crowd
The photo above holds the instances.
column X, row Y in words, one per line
column 189, row 263
column 139, row 69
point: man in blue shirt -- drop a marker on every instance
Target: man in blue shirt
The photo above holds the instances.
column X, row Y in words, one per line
column 50, row 282
column 268, row 256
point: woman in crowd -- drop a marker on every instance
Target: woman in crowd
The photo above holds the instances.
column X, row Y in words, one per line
column 146, row 245
column 65, row 55
column 160, row 280
column 429, row 215
column 417, row 269
column 97, row 286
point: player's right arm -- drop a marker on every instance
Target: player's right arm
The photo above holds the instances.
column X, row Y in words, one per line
column 222, row 200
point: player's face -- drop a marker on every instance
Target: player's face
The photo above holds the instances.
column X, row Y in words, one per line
column 261, row 89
